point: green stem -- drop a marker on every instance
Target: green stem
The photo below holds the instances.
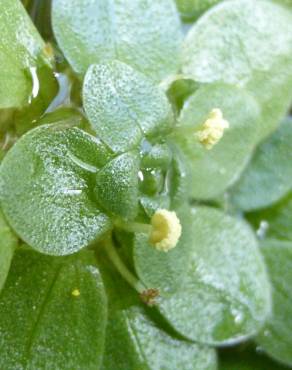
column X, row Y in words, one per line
column 123, row 270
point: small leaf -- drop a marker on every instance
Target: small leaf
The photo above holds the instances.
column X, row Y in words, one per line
column 135, row 341
column 53, row 313
column 225, row 296
column 212, row 171
column 143, row 34
column 21, row 53
column 123, row 105
column 8, row 243
column 117, row 186
column 269, row 175
column 247, row 43
column 164, row 271
column 276, row 338
column 46, row 182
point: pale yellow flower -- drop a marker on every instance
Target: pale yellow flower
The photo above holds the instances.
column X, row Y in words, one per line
column 75, row 293
column 213, row 129
column 166, row 230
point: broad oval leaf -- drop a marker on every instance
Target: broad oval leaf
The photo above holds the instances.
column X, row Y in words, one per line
column 276, row 337
column 225, row 296
column 116, row 186
column 46, row 189
column 268, row 177
column 249, row 44
column 123, row 105
column 53, row 313
column 8, row 243
column 212, row 171
column 134, row 340
column 22, row 51
column 143, row 34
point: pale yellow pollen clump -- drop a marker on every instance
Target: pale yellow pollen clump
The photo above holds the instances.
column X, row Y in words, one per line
column 75, row 293
column 166, row 230
column 213, row 129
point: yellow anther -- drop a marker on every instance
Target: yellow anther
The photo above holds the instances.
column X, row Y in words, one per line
column 166, row 230
column 75, row 293
column 213, row 129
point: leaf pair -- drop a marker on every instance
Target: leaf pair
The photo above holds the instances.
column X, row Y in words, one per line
column 61, row 195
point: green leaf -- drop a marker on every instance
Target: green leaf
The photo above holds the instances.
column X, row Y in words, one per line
column 42, row 324
column 8, row 243
column 212, row 171
column 276, row 338
column 269, row 175
column 46, row 189
column 135, row 341
column 21, row 53
column 241, row 359
column 274, row 222
column 141, row 33
column 192, row 9
column 249, row 44
column 225, row 296
column 116, row 186
column 123, row 105
column 164, row 271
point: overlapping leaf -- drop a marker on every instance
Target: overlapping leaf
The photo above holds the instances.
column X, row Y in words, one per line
column 269, row 175
column 44, row 325
column 143, row 34
column 22, row 52
column 135, row 341
column 164, row 271
column 276, row 338
column 192, row 9
column 123, row 105
column 249, row 44
column 214, row 170
column 46, row 189
column 225, row 296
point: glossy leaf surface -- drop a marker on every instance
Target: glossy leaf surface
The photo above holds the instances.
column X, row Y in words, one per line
column 22, row 51
column 143, row 34
column 116, row 186
column 225, row 296
column 275, row 339
column 249, row 44
column 268, row 177
column 42, row 324
column 164, row 271
column 123, row 105
column 212, row 171
column 135, row 341
column 46, row 189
